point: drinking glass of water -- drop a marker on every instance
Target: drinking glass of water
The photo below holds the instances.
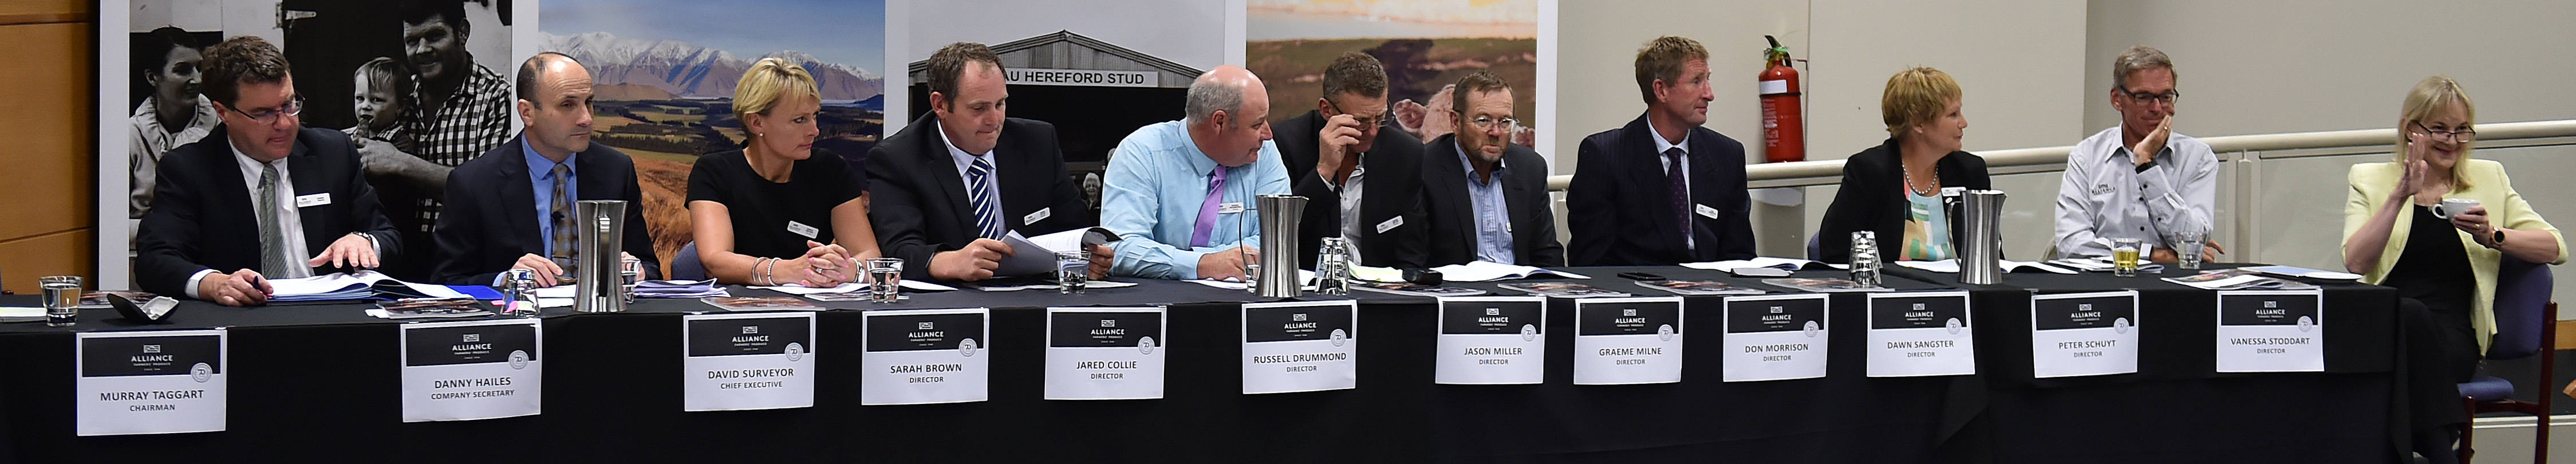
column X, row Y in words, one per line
column 62, row 299
column 1072, row 272
column 2124, row 256
column 885, row 279
column 2187, row 249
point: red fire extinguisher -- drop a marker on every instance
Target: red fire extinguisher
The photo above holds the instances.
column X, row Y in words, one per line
column 1784, row 123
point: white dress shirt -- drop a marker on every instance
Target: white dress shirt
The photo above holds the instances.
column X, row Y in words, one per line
column 1350, row 190
column 2106, row 195
column 290, row 221
column 1691, row 240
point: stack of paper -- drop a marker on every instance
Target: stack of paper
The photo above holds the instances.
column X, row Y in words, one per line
column 1774, row 263
column 2237, row 279
column 358, row 286
column 1951, row 266
column 679, row 289
column 1484, row 271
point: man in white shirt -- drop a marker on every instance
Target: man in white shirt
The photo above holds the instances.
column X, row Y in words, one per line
column 2140, row 179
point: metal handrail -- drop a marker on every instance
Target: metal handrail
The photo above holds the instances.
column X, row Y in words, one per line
column 1829, row 172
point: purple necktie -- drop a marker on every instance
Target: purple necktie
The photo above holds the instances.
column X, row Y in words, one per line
column 1207, row 210
column 1681, row 189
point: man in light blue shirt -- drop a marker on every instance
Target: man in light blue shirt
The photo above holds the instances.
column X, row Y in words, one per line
column 2139, row 179
column 1177, row 192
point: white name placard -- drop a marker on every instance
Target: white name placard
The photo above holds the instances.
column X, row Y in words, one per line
column 1105, row 353
column 2078, row 334
column 468, row 370
column 132, row 383
column 1921, row 333
column 1776, row 337
column 2271, row 331
column 738, row 361
column 922, row 356
column 1492, row 340
column 1300, row 346
column 1627, row 340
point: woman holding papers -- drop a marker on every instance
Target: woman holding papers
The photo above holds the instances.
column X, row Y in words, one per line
column 778, row 211
column 1894, row 188
column 2406, row 226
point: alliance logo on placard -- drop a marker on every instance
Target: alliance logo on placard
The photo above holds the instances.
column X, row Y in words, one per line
column 1664, row 332
column 1529, row 332
column 795, row 351
column 1339, row 338
column 2307, row 324
column 201, row 372
column 518, row 359
column 2120, row 325
column 1954, row 326
column 1145, row 344
column 1812, row 328
column 966, row 347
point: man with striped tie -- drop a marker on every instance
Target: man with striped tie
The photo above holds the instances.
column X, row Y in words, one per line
column 951, row 184
column 512, row 207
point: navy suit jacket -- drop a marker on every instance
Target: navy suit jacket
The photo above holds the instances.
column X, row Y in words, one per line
column 917, row 199
column 491, row 212
column 1620, row 203
column 202, row 216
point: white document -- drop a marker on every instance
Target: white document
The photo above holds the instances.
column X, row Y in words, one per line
column 2079, row 334
column 468, row 370
column 1951, row 266
column 739, row 361
column 1095, row 284
column 1921, row 333
column 129, row 383
column 1036, row 255
column 1492, row 340
column 1776, row 337
column 922, row 356
column 1105, row 353
column 1627, row 340
column 336, row 282
column 1300, row 346
column 1775, row 263
column 1302, row 276
column 1484, row 271
column 801, row 290
column 2271, row 331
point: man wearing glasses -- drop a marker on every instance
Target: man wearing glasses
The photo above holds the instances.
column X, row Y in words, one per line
column 2138, row 180
column 1485, row 199
column 1360, row 176
column 261, row 196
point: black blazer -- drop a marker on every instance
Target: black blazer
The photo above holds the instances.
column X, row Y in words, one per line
column 1449, row 216
column 1620, row 203
column 918, row 199
column 1872, row 198
column 1390, row 189
column 204, row 218
column 491, row 213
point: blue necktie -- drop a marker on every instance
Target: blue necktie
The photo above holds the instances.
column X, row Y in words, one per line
column 988, row 219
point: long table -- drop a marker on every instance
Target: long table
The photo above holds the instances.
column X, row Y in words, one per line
column 315, row 383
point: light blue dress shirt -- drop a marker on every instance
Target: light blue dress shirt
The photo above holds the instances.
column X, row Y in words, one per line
column 1151, row 192
column 1493, row 212
column 541, row 178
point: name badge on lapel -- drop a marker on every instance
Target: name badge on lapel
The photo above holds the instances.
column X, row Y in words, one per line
column 801, row 229
column 1705, row 211
column 1229, row 207
column 1040, row 215
column 318, row 199
column 1390, row 224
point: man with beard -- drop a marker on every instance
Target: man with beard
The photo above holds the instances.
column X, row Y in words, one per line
column 464, row 110
column 1485, row 199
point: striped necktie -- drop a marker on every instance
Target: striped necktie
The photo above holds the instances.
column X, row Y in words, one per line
column 988, row 217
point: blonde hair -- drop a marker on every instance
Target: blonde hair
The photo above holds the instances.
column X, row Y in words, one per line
column 2431, row 95
column 770, row 81
column 1916, row 96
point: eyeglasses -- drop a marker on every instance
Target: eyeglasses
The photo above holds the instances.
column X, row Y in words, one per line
column 293, row 107
column 1489, row 123
column 2461, row 134
column 2166, row 98
column 1366, row 121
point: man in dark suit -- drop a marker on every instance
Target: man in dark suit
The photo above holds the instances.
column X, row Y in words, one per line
column 258, row 195
column 1662, row 190
column 1359, row 175
column 512, row 208
column 1484, row 199
column 949, row 186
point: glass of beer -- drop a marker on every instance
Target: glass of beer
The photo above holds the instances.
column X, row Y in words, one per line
column 62, row 299
column 2124, row 256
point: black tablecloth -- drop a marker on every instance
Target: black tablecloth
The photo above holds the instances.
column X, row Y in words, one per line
column 319, row 383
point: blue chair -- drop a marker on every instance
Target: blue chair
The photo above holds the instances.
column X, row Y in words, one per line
column 2526, row 324
column 685, row 265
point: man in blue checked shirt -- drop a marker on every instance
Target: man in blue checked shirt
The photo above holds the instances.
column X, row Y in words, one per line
column 1178, row 192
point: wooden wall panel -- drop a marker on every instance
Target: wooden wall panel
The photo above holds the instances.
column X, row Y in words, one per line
column 24, row 259
column 44, row 11
column 45, row 101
